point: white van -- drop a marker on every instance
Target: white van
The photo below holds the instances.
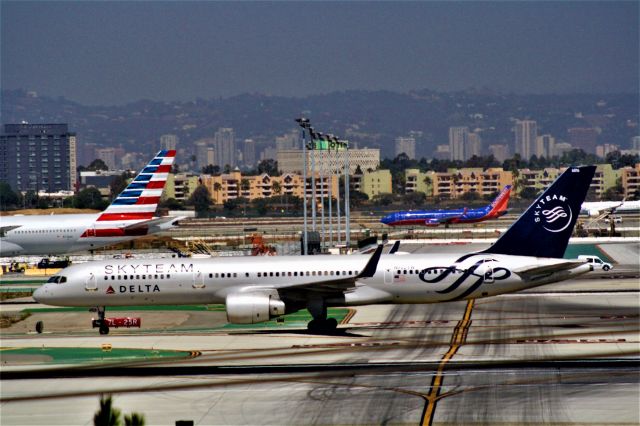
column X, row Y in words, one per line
column 596, row 262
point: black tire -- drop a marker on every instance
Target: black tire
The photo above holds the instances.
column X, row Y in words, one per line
column 313, row 325
column 331, row 324
column 605, row 268
column 39, row 327
column 104, row 329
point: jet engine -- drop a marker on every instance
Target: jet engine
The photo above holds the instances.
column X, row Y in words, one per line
column 254, row 307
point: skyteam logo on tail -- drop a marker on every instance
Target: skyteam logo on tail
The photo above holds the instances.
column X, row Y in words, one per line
column 553, row 212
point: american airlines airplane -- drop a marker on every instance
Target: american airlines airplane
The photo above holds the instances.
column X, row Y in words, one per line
column 129, row 216
column 438, row 217
column 258, row 289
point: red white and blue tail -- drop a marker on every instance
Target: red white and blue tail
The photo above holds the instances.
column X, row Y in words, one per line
column 140, row 198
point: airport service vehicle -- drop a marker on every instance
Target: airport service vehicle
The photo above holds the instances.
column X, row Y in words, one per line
column 438, row 217
column 129, row 216
column 254, row 289
column 596, row 208
column 596, row 262
column 615, row 219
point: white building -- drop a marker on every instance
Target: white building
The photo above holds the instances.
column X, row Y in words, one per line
column 405, row 145
column 292, row 161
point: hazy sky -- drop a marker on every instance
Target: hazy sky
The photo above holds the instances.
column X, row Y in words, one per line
column 115, row 52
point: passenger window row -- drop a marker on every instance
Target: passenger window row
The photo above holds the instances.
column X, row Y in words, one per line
column 138, row 277
column 43, row 231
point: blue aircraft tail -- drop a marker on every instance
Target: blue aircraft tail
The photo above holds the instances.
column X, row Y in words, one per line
column 545, row 228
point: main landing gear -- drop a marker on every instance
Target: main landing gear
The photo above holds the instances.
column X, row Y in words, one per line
column 320, row 323
column 100, row 323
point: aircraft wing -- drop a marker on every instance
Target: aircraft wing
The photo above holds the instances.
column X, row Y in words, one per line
column 5, row 229
column 446, row 218
column 532, row 273
column 338, row 285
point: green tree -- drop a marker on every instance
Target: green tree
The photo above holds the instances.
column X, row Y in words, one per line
column 210, row 169
column 528, row 193
column 357, row 198
column 201, row 200
column 618, row 160
column 134, row 419
column 107, row 415
column 8, row 198
column 97, row 164
column 277, row 190
column 30, row 199
column 217, row 187
column 470, row 196
column 414, row 199
column 383, row 199
column 118, row 184
column 171, row 204
column 89, row 198
column 268, row 166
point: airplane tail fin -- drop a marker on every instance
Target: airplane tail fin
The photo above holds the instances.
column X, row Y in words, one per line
column 544, row 228
column 140, row 198
column 501, row 201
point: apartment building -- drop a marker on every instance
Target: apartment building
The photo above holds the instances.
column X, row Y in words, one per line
column 229, row 186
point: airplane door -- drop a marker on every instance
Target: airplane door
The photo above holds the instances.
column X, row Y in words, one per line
column 91, row 284
column 388, row 276
column 198, row 279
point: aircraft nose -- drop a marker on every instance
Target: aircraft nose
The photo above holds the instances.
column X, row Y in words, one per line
column 386, row 220
column 41, row 294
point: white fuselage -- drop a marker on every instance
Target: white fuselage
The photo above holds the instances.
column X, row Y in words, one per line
column 54, row 234
column 596, row 208
column 415, row 278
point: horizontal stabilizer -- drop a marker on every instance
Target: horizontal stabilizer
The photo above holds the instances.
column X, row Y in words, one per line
column 529, row 274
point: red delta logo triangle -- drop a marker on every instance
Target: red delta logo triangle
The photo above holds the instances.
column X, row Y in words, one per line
column 110, row 290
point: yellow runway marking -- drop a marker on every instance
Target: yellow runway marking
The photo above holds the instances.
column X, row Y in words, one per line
column 458, row 339
column 9, row 349
column 348, row 317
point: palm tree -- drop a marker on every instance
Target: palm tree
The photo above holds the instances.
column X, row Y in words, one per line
column 277, row 189
column 107, row 415
column 245, row 185
column 217, row 187
column 134, row 419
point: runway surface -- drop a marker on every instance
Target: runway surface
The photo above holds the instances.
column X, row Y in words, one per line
column 567, row 353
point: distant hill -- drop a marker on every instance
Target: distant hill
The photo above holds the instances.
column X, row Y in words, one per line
column 369, row 118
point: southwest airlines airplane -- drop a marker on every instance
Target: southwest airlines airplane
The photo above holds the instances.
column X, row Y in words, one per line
column 437, row 217
column 129, row 216
column 256, row 289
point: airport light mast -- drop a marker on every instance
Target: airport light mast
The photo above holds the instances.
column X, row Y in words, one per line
column 304, row 124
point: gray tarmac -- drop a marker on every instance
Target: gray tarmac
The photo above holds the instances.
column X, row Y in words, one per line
column 566, row 353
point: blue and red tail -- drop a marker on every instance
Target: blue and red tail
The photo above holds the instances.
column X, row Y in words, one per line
column 140, row 198
column 499, row 205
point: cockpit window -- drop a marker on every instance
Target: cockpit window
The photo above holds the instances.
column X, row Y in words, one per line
column 63, row 280
column 57, row 279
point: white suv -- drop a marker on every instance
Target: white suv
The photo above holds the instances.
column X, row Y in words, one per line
column 596, row 262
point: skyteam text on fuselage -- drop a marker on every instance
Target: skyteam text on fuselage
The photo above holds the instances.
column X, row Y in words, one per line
column 129, row 216
column 438, row 217
column 254, row 289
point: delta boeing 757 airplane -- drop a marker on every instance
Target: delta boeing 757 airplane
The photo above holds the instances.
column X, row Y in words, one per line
column 438, row 217
column 129, row 216
column 256, row 289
